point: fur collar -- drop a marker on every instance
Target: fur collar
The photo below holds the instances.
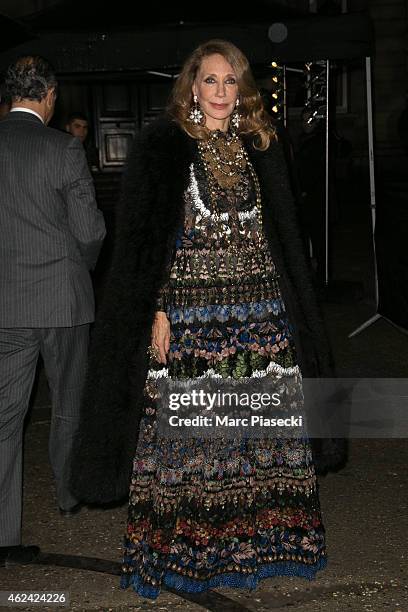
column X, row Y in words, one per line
column 150, row 211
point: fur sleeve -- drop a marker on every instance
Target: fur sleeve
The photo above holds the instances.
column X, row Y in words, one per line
column 110, row 415
column 297, row 267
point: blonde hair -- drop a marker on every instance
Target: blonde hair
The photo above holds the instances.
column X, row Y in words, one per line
column 254, row 119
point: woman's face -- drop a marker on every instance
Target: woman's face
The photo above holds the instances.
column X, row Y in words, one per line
column 217, row 90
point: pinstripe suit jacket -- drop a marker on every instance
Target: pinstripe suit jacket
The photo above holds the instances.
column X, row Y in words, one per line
column 51, row 230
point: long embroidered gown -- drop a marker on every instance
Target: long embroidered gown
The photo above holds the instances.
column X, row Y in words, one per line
column 206, row 513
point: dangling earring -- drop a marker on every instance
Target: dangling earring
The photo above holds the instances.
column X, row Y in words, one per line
column 235, row 117
column 196, row 115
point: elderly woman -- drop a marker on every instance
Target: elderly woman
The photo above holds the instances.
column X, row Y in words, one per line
column 209, row 271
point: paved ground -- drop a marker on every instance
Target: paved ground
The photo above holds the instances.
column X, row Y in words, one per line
column 366, row 517
column 364, row 506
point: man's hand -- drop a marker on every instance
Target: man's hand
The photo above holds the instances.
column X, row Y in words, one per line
column 161, row 336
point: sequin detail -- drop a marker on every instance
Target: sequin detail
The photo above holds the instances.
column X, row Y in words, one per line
column 221, row 512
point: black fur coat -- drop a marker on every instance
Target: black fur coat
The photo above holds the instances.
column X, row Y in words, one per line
column 150, row 212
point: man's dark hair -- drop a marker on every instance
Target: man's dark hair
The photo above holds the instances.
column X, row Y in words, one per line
column 29, row 78
column 78, row 115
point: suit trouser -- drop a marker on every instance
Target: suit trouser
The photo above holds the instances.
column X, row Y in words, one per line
column 64, row 352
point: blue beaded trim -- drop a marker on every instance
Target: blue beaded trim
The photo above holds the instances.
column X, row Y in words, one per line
column 224, row 312
column 230, row 580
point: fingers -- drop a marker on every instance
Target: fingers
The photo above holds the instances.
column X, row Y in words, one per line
column 162, row 344
column 162, row 354
column 164, row 347
column 161, row 339
column 159, row 349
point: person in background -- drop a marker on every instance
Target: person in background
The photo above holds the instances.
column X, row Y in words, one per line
column 51, row 232
column 78, row 125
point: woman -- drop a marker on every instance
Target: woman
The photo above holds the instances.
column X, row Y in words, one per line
column 209, row 271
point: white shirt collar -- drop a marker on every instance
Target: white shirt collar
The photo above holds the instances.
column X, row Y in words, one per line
column 23, row 109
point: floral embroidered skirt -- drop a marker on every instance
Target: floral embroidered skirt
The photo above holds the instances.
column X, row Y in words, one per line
column 207, row 513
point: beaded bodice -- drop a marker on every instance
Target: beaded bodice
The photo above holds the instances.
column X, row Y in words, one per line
column 221, row 253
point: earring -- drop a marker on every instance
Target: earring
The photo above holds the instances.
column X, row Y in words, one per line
column 196, row 115
column 235, row 117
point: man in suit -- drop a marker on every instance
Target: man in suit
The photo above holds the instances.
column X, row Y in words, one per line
column 51, row 232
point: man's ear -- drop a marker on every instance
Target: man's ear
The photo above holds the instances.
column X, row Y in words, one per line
column 49, row 98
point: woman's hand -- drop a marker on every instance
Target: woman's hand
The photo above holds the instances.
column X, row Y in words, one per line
column 161, row 336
